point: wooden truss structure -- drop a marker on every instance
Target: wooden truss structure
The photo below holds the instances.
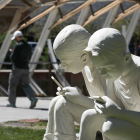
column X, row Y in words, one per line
column 28, row 7
column 3, row 3
column 127, row 12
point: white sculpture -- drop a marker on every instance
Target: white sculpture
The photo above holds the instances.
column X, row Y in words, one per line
column 64, row 110
column 107, row 51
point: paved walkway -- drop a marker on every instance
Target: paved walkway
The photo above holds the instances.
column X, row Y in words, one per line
column 22, row 111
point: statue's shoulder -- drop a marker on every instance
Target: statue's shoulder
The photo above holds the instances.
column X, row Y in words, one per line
column 136, row 60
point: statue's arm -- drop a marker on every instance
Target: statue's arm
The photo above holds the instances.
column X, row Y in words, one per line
column 86, row 102
column 131, row 116
column 74, row 95
column 111, row 110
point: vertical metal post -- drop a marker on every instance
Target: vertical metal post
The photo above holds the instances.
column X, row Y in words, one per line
column 58, row 71
column 5, row 46
column 42, row 40
column 51, row 82
column 132, row 26
column 110, row 17
column 39, row 49
column 124, row 30
column 82, row 16
column 7, row 40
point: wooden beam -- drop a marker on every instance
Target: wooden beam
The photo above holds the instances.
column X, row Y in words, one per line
column 22, row 10
column 50, row 2
column 60, row 12
column 91, row 9
column 16, row 19
column 127, row 12
column 29, row 14
column 72, row 13
column 56, row 5
column 37, row 17
column 133, row 1
column 63, row 1
column 26, row 7
column 26, row 2
column 122, row 8
column 4, row 3
column 42, row 1
column 102, row 11
column 137, row 1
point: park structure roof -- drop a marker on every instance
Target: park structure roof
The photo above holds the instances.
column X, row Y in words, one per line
column 29, row 11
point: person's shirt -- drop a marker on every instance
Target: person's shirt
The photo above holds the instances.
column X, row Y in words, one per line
column 98, row 85
column 129, row 93
column 21, row 55
column 94, row 82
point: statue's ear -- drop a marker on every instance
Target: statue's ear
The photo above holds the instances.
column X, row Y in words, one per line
column 84, row 58
column 127, row 57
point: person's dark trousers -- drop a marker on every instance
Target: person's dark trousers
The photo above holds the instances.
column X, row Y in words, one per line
column 16, row 76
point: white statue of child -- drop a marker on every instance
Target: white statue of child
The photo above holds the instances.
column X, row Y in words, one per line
column 107, row 51
column 64, row 110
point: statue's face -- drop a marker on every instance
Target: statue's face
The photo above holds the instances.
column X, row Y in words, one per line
column 70, row 63
column 111, row 68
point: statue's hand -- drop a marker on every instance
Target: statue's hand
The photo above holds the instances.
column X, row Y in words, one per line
column 73, row 94
column 109, row 109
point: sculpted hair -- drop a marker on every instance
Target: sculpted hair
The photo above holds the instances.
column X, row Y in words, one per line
column 71, row 40
column 107, row 42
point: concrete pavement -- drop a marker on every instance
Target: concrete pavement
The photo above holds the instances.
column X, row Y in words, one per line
column 22, row 111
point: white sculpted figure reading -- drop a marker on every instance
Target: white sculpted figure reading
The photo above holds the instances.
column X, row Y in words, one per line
column 107, row 51
column 69, row 107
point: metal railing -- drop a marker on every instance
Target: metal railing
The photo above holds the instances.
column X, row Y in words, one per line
column 33, row 84
column 47, row 63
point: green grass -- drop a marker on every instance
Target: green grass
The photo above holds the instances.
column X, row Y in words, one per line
column 34, row 131
column 77, row 128
column 34, row 125
column 17, row 133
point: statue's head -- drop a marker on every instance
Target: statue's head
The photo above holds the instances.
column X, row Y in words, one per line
column 107, row 51
column 69, row 45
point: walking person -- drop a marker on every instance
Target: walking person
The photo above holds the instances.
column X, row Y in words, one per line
column 20, row 57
